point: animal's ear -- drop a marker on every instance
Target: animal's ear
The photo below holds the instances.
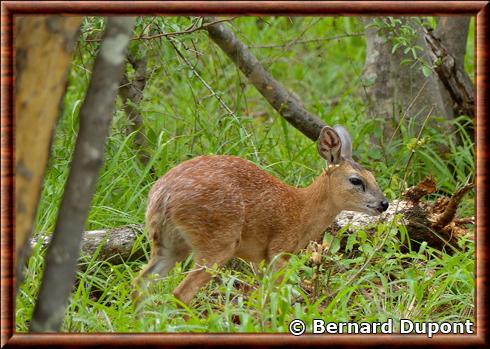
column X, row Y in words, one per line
column 329, row 145
column 345, row 140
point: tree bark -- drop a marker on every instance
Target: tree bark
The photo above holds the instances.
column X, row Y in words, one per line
column 95, row 117
column 453, row 33
column 395, row 91
column 451, row 73
column 113, row 245
column 284, row 102
column 131, row 92
column 43, row 49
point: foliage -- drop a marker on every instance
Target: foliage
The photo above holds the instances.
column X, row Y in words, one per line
column 183, row 119
column 403, row 35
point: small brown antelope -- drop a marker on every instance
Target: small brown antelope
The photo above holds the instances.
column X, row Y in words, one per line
column 221, row 207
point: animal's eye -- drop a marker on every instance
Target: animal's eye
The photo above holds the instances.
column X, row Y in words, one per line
column 357, row 182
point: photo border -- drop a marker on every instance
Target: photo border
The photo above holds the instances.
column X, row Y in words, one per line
column 9, row 9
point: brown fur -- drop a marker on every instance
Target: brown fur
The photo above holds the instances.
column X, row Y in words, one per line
column 221, row 207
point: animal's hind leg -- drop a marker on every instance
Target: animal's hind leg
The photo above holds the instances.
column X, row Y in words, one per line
column 158, row 265
column 207, row 255
column 163, row 258
column 198, row 277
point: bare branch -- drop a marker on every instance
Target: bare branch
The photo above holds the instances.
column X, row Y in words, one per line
column 307, row 41
column 190, row 30
column 278, row 97
column 187, row 31
column 215, row 95
column 449, row 213
column 113, row 245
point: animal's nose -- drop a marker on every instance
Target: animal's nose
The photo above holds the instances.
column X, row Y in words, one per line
column 384, row 204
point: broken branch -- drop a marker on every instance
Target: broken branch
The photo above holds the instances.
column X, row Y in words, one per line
column 452, row 75
column 285, row 103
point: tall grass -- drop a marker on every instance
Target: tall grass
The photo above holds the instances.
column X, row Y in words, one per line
column 184, row 119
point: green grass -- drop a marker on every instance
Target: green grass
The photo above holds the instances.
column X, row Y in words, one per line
column 184, row 119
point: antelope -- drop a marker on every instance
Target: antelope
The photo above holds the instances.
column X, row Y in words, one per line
column 219, row 207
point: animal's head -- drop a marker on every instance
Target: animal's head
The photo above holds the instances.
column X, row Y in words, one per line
column 353, row 188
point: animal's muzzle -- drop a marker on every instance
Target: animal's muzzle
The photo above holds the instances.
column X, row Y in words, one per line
column 383, row 206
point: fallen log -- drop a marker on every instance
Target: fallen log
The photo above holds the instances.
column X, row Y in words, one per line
column 433, row 222
column 436, row 223
column 113, row 245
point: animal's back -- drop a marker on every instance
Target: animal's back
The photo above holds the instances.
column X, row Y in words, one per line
column 212, row 194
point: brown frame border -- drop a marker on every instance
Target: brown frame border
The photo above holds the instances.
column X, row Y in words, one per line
column 11, row 8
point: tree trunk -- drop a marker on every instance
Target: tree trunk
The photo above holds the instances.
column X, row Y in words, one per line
column 95, row 117
column 395, row 91
column 435, row 223
column 131, row 92
column 43, row 48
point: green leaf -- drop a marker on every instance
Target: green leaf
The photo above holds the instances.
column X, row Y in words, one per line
column 414, row 52
column 351, row 240
column 395, row 46
column 367, row 248
column 334, row 247
column 426, row 71
column 406, row 61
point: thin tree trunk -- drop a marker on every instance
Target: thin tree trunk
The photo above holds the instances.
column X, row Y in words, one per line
column 95, row 117
column 284, row 102
column 131, row 92
column 43, row 49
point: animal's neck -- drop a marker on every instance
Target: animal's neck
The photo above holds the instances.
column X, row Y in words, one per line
column 319, row 209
